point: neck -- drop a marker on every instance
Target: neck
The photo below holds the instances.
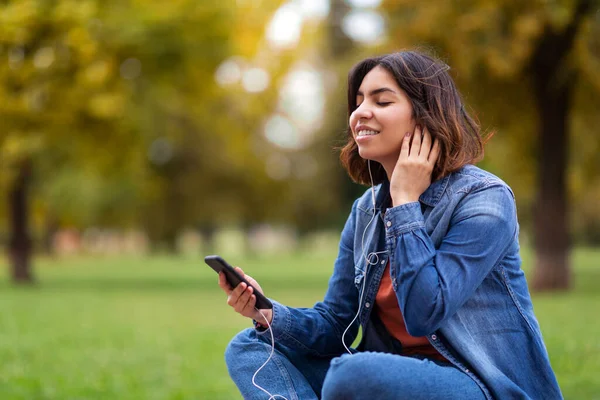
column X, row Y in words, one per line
column 389, row 166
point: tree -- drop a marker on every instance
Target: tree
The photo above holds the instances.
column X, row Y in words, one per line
column 211, row 176
column 516, row 58
column 58, row 81
column 109, row 106
column 553, row 86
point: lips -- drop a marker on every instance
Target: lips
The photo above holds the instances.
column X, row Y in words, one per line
column 366, row 132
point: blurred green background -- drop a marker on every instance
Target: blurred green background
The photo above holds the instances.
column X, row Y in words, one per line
column 137, row 136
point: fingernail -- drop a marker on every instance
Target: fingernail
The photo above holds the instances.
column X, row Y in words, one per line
column 407, row 134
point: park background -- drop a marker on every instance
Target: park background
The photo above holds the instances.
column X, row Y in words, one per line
column 137, row 136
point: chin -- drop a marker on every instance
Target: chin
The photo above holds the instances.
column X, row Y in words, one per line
column 368, row 155
column 365, row 154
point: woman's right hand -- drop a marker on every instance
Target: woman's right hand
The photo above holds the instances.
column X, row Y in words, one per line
column 242, row 299
column 412, row 173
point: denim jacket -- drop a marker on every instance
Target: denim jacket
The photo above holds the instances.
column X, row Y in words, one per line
column 455, row 268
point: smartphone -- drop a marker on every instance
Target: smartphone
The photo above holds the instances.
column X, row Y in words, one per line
column 234, row 279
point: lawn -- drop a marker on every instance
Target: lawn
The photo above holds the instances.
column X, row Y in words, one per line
column 156, row 328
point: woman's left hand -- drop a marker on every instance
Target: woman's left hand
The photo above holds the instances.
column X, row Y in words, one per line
column 412, row 173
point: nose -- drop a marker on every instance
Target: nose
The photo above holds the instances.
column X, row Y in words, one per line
column 363, row 111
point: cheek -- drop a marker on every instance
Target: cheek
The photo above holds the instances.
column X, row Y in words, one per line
column 403, row 121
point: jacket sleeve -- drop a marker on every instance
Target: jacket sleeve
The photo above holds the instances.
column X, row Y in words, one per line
column 431, row 284
column 318, row 330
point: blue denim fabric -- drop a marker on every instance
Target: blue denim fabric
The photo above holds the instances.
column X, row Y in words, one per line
column 290, row 373
column 455, row 268
column 382, row 376
column 364, row 375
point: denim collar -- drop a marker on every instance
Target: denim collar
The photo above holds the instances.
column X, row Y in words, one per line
column 430, row 197
column 435, row 191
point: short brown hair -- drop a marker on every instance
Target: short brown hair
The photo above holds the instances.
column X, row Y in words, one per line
column 437, row 105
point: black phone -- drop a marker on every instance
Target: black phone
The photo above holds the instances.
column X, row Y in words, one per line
column 234, row 279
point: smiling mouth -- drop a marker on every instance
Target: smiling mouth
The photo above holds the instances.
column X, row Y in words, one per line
column 366, row 132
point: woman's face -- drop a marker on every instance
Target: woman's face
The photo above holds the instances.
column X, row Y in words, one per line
column 381, row 119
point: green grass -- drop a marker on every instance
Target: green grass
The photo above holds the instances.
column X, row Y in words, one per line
column 156, row 328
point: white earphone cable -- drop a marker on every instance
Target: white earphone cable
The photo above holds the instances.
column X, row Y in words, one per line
column 368, row 259
column 271, row 396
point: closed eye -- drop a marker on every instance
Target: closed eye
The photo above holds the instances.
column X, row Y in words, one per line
column 384, row 103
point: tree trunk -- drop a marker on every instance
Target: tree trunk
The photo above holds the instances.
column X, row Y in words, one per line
column 20, row 241
column 340, row 47
column 339, row 44
column 551, row 230
column 170, row 242
column 553, row 82
column 208, row 231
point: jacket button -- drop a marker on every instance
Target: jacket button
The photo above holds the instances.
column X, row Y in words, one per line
column 367, row 304
column 389, row 223
column 433, row 337
column 383, row 261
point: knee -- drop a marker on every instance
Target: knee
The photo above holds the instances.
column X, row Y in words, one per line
column 238, row 346
column 344, row 378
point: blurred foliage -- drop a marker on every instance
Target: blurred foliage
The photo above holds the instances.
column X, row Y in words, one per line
column 489, row 44
column 117, row 105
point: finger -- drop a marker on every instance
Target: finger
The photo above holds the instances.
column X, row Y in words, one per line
column 425, row 145
column 234, row 296
column 224, row 284
column 239, row 289
column 416, row 142
column 251, row 304
column 434, row 153
column 241, row 273
column 405, row 149
column 248, row 308
column 242, row 301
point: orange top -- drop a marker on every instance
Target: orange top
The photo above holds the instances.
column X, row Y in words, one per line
column 389, row 312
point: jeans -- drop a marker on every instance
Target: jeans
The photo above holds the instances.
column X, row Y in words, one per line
column 364, row 375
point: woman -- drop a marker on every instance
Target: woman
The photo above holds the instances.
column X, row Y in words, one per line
column 430, row 271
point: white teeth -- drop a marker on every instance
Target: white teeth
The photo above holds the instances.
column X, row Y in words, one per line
column 367, row 133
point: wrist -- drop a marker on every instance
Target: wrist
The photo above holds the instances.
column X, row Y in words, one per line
column 259, row 318
column 401, row 200
column 258, row 326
